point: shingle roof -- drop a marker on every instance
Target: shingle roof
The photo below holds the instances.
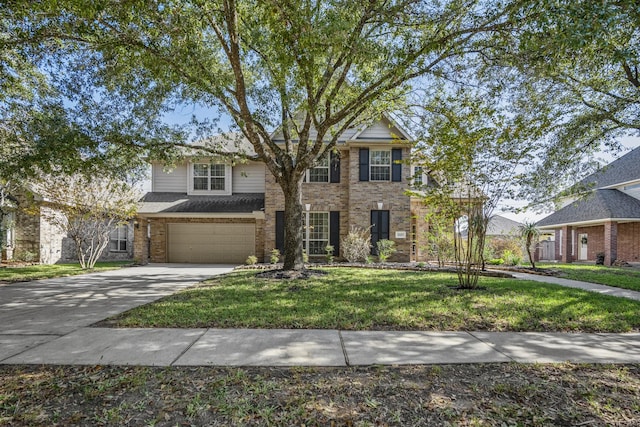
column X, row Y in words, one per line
column 501, row 226
column 624, row 169
column 181, row 202
column 599, row 204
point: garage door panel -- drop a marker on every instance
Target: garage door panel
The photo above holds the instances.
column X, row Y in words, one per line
column 210, row 242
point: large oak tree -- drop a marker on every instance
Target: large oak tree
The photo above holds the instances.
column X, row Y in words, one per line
column 308, row 68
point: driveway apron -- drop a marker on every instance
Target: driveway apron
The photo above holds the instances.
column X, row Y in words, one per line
column 32, row 313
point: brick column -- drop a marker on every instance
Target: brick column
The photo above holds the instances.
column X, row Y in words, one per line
column 140, row 241
column 610, row 242
column 566, row 244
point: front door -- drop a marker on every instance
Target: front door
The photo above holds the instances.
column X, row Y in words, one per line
column 379, row 228
column 582, row 247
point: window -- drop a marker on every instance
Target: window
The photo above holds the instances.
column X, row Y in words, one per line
column 118, row 239
column 209, row 177
column 316, row 232
column 319, row 173
column 380, row 165
column 417, row 175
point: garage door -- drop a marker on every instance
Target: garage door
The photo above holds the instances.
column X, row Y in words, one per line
column 210, row 243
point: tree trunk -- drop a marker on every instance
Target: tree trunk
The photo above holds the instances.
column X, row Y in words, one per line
column 293, row 225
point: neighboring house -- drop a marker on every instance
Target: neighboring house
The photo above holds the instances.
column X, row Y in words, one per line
column 32, row 237
column 606, row 220
column 211, row 210
column 500, row 226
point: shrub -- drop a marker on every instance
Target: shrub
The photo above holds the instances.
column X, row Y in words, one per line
column 385, row 249
column 305, row 256
column 275, row 256
column 511, row 258
column 25, row 255
column 251, row 260
column 600, row 258
column 329, row 253
column 356, row 245
column 496, row 261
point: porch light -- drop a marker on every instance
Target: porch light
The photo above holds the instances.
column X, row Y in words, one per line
column 380, row 206
column 307, row 207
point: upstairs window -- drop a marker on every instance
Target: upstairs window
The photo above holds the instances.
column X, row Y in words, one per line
column 380, row 165
column 209, row 177
column 319, row 173
column 417, row 176
column 118, row 239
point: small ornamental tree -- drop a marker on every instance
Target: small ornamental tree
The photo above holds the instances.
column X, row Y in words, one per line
column 85, row 208
column 529, row 233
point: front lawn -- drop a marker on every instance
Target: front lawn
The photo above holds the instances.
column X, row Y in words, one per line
column 368, row 299
column 620, row 277
column 44, row 271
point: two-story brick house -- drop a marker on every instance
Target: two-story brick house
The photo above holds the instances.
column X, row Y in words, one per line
column 213, row 211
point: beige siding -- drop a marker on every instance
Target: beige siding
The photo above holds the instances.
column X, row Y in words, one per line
column 174, row 181
column 248, row 178
column 380, row 130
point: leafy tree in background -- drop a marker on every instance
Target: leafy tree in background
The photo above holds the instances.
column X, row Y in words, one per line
column 577, row 62
column 84, row 209
column 310, row 69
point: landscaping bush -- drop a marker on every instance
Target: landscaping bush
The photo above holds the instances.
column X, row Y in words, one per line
column 511, row 258
column 275, row 256
column 600, row 258
column 356, row 245
column 251, row 260
column 385, row 249
column 495, row 261
column 25, row 256
column 329, row 253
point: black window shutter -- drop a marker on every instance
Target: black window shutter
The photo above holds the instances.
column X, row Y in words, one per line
column 334, row 164
column 364, row 164
column 334, row 232
column 396, row 165
column 280, row 231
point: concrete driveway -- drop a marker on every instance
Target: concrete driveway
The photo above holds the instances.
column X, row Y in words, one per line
column 38, row 311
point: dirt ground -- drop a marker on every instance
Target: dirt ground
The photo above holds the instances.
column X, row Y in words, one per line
column 446, row 395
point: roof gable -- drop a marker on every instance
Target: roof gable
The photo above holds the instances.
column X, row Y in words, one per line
column 383, row 129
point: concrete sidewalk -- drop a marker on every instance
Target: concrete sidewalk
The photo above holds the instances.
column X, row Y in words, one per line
column 587, row 286
column 304, row 347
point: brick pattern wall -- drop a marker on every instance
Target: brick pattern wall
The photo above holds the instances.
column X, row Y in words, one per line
column 354, row 199
column 323, row 197
column 26, row 233
column 158, row 251
column 629, row 242
column 595, row 241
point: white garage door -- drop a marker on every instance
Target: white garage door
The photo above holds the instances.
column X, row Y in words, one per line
column 210, row 243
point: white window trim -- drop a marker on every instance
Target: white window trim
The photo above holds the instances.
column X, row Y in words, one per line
column 120, row 238
column 227, row 180
column 371, row 165
column 307, row 231
column 307, row 177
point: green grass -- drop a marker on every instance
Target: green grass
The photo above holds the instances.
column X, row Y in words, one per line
column 620, row 277
column 35, row 272
column 367, row 299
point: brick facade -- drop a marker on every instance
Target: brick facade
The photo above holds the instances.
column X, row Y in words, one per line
column 354, row 199
column 629, row 241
